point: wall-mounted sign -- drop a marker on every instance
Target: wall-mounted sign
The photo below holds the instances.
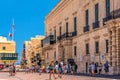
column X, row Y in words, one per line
column 102, row 57
column 92, row 57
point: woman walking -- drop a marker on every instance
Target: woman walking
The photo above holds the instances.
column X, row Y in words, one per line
column 10, row 70
column 51, row 68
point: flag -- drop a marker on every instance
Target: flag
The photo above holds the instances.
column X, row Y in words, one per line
column 10, row 34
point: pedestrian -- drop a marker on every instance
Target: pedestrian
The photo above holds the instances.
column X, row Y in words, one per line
column 69, row 68
column 13, row 70
column 60, row 65
column 51, row 68
column 100, row 68
column 76, row 67
column 65, row 68
column 106, row 67
column 92, row 68
column 96, row 67
column 56, row 68
column 10, row 70
column 39, row 70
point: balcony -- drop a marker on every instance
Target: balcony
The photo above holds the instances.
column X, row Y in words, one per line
column 86, row 28
column 8, row 56
column 107, row 18
column 67, row 35
column 59, row 38
column 96, row 24
column 48, row 40
column 113, row 15
column 74, row 33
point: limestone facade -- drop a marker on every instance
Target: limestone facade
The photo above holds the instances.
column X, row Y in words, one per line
column 86, row 31
column 32, row 51
column 8, row 53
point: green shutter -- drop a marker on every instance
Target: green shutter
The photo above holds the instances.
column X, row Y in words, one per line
column 66, row 27
column 87, row 22
column 107, row 7
column 107, row 46
column 75, row 23
column 97, row 46
column 4, row 48
column 87, row 48
column 96, row 12
column 75, row 48
column 60, row 30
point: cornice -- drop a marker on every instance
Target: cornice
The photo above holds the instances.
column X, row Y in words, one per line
column 60, row 6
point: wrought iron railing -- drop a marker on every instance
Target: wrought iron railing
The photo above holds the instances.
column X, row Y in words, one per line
column 8, row 56
column 96, row 24
column 113, row 15
column 86, row 28
column 67, row 35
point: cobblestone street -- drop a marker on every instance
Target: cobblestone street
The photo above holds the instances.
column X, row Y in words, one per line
column 36, row 76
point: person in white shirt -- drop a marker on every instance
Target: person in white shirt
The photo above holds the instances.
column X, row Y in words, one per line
column 92, row 68
column 100, row 68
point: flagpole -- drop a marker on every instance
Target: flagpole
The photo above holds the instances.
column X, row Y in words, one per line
column 13, row 30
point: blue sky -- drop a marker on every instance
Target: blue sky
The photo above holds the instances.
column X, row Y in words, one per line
column 29, row 16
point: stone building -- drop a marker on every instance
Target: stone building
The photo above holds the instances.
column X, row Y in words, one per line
column 32, row 52
column 84, row 31
column 8, row 53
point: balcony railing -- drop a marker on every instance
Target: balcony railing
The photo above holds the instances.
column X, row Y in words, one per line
column 86, row 28
column 59, row 38
column 48, row 40
column 66, row 35
column 113, row 15
column 74, row 33
column 96, row 25
column 8, row 56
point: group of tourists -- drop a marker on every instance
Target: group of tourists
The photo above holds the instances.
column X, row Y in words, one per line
column 95, row 68
column 61, row 68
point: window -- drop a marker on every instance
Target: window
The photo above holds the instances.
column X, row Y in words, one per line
column 107, row 46
column 75, row 23
column 87, row 48
column 66, row 27
column 55, row 34
column 75, row 50
column 4, row 48
column 97, row 47
column 107, row 7
column 87, row 17
column 55, row 55
column 96, row 12
column 60, row 30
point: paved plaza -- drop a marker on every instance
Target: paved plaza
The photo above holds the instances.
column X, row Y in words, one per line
column 36, row 76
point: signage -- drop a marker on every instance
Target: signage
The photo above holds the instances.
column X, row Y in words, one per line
column 102, row 57
column 92, row 57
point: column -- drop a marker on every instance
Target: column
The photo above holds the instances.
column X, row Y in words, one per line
column 110, row 46
column 118, row 50
column 59, row 53
column 114, row 56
